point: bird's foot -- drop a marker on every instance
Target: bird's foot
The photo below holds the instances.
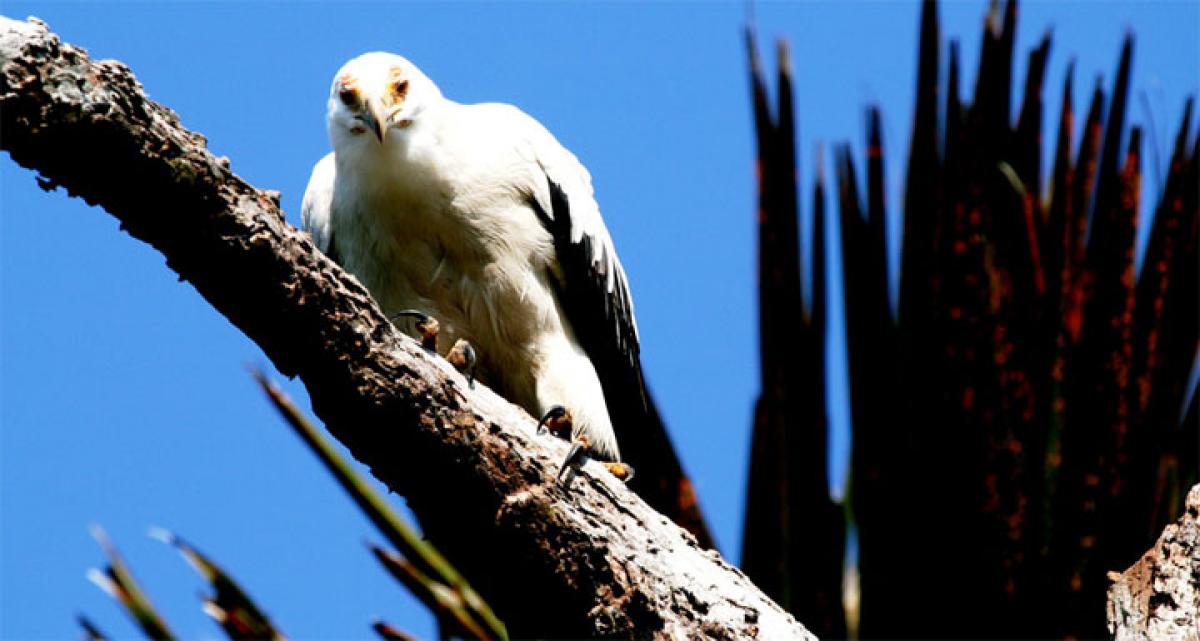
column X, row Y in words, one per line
column 462, row 357
column 427, row 327
column 579, row 455
column 623, row 471
column 557, row 421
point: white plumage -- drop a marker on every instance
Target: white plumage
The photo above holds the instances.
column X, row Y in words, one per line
column 476, row 215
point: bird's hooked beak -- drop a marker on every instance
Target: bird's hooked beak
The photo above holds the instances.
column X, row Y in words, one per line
column 376, row 118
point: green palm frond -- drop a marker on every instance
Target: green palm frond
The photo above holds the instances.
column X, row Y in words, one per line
column 118, row 582
column 230, row 606
column 419, row 553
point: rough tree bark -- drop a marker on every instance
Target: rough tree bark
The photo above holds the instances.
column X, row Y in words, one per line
column 595, row 561
column 1159, row 596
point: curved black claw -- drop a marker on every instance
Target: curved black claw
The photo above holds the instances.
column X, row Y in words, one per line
column 558, row 421
column 578, row 456
column 427, row 327
column 462, row 357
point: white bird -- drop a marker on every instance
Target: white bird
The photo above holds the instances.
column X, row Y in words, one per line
column 476, row 215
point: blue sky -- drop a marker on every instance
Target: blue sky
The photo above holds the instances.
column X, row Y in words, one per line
column 125, row 399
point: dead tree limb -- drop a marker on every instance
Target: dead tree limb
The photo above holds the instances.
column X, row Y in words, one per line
column 595, row 561
column 1159, row 596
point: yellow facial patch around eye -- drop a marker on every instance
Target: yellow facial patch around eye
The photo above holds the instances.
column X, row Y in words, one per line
column 397, row 85
column 348, row 91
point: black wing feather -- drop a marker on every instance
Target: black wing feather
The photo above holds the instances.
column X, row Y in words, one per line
column 603, row 323
column 601, row 319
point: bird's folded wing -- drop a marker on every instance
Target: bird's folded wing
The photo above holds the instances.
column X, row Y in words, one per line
column 593, row 291
column 589, row 280
column 318, row 202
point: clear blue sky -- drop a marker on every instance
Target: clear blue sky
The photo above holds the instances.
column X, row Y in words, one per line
column 125, row 396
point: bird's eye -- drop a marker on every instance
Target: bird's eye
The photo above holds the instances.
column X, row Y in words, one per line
column 400, row 88
column 348, row 96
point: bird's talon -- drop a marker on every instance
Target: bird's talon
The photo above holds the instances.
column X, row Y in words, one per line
column 427, row 326
column 462, row 357
column 576, row 458
column 558, row 421
column 623, row 471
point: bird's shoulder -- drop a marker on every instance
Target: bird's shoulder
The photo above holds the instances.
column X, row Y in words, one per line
column 584, row 247
column 508, row 128
column 506, row 120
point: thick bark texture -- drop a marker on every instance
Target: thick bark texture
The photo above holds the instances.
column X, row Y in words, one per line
column 1159, row 596
column 592, row 561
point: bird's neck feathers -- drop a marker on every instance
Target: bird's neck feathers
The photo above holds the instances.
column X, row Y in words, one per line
column 357, row 152
column 404, row 164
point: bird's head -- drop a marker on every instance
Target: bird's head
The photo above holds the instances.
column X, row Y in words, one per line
column 375, row 93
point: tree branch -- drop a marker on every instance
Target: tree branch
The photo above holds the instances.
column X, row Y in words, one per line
column 595, row 561
column 1158, row 597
